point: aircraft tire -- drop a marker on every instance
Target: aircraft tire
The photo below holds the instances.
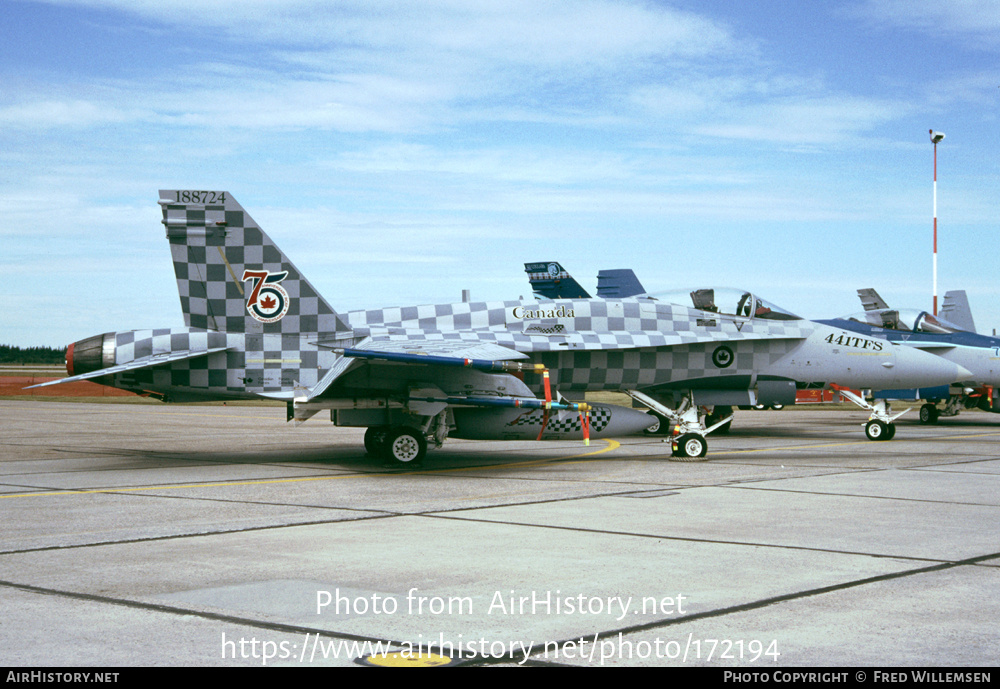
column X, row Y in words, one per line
column 928, row 413
column 375, row 438
column 662, row 426
column 691, row 447
column 891, row 431
column 405, row 446
column 713, row 419
column 877, row 430
column 717, row 415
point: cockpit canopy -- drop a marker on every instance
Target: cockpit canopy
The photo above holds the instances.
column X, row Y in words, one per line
column 907, row 320
column 726, row 301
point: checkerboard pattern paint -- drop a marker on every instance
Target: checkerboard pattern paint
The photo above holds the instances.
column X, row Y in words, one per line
column 214, row 246
column 223, row 260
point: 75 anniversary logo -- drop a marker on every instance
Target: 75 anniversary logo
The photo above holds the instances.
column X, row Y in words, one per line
column 268, row 301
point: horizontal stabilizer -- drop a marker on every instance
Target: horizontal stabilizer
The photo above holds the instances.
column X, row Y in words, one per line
column 144, row 362
column 303, row 394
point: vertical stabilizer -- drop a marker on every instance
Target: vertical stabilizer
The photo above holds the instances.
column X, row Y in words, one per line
column 618, row 284
column 231, row 276
column 550, row 280
column 956, row 310
column 871, row 300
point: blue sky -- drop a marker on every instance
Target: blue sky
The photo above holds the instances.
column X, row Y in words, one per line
column 402, row 152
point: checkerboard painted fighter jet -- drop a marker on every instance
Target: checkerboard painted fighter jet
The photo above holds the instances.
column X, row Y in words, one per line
column 256, row 328
column 973, row 352
column 950, row 335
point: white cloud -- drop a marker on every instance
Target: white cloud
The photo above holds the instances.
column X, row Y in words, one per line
column 383, row 67
column 526, row 31
column 60, row 114
column 508, row 165
column 806, row 120
column 978, row 20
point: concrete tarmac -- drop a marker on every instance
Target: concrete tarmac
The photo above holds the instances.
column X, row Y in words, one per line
column 138, row 535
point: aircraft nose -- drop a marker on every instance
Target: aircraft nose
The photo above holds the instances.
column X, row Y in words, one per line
column 917, row 369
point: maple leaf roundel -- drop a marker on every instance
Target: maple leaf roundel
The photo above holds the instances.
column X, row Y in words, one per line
column 272, row 304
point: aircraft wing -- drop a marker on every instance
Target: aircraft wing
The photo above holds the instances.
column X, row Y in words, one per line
column 871, row 300
column 460, row 349
column 409, row 350
column 144, row 362
column 496, row 345
column 601, row 341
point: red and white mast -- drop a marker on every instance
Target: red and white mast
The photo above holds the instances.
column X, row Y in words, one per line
column 935, row 138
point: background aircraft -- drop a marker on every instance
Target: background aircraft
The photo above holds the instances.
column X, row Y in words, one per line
column 255, row 327
column 980, row 354
column 550, row 280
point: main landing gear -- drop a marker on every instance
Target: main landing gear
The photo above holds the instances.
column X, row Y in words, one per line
column 397, row 444
column 406, row 445
column 983, row 399
column 929, row 413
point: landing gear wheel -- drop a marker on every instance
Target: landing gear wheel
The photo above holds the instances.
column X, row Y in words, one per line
column 375, row 438
column 928, row 414
column 690, row 447
column 877, row 430
column 406, row 446
column 777, row 407
column 721, row 430
column 892, row 432
column 717, row 415
column 661, row 427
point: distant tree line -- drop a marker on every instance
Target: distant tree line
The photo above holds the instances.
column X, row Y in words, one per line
column 31, row 355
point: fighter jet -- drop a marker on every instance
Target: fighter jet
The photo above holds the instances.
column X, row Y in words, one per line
column 881, row 422
column 979, row 354
column 256, row 328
